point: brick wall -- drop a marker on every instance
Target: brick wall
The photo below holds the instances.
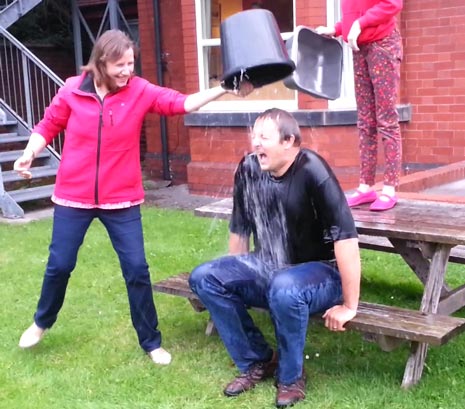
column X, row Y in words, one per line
column 174, row 76
column 433, row 81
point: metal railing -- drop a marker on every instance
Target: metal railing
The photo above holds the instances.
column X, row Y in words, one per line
column 27, row 85
column 12, row 10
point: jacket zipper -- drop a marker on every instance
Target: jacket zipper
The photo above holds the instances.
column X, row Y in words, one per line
column 99, row 142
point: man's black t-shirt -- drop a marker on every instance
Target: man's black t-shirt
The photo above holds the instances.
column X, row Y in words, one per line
column 294, row 218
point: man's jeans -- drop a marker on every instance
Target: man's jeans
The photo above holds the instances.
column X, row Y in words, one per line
column 228, row 285
column 125, row 230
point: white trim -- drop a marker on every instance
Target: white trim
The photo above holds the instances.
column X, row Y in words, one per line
column 200, row 41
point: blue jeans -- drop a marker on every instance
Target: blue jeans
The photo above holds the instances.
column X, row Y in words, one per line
column 124, row 227
column 228, row 285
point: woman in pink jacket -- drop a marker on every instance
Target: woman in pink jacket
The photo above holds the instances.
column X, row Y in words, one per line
column 369, row 27
column 99, row 177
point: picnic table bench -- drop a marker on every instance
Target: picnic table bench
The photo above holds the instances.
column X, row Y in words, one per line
column 423, row 233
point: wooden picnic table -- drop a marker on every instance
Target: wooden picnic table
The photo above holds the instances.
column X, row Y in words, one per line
column 423, row 233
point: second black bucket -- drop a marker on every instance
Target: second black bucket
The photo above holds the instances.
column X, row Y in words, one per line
column 252, row 49
column 318, row 62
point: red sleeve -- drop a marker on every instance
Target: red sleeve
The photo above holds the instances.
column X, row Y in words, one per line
column 166, row 101
column 55, row 117
column 338, row 28
column 381, row 12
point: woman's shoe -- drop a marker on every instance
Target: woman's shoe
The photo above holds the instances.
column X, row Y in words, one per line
column 32, row 336
column 160, row 356
column 384, row 202
column 361, row 198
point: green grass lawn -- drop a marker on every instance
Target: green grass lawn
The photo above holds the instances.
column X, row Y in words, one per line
column 91, row 358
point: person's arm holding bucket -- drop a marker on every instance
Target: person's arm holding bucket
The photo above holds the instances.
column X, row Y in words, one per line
column 195, row 101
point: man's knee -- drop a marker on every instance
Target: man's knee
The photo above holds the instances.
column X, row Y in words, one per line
column 197, row 277
column 283, row 290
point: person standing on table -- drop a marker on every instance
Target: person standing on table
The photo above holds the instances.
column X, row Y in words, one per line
column 102, row 111
column 370, row 29
column 305, row 260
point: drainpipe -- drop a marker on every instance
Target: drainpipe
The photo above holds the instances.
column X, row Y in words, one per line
column 164, row 138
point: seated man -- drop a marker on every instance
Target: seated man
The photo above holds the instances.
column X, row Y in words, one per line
column 305, row 260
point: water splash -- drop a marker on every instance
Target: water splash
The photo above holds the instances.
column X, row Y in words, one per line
column 237, row 82
column 264, row 204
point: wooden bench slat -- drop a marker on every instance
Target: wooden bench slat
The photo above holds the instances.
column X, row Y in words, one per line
column 378, row 243
column 406, row 324
column 222, row 209
column 175, row 285
column 371, row 318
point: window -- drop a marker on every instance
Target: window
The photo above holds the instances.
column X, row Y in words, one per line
column 209, row 14
column 347, row 98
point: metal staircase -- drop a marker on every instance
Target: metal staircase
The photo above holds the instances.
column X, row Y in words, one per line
column 27, row 86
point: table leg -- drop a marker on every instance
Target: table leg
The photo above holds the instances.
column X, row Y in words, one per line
column 429, row 303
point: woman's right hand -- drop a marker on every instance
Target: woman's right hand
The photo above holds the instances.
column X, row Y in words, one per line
column 245, row 88
column 23, row 164
column 325, row 31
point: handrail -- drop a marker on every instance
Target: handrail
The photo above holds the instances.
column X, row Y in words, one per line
column 31, row 56
column 27, row 85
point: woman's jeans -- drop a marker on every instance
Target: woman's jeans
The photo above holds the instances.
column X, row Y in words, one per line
column 124, row 227
column 228, row 285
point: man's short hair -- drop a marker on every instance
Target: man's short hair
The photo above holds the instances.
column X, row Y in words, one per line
column 285, row 122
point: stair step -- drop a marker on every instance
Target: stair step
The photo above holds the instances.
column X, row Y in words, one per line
column 32, row 193
column 13, row 137
column 9, row 122
column 11, row 156
column 37, row 172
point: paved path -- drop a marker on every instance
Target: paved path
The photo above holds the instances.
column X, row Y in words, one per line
column 156, row 194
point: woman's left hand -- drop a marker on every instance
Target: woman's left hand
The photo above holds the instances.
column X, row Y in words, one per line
column 352, row 37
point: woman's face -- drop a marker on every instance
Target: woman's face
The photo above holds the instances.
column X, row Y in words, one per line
column 121, row 70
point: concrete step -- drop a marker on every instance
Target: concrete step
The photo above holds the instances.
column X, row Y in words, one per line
column 11, row 156
column 33, row 193
column 9, row 122
column 13, row 137
column 37, row 172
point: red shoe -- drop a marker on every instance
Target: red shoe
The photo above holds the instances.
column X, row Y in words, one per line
column 379, row 204
column 361, row 198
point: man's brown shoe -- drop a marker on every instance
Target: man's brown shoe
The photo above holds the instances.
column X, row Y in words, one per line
column 288, row 395
column 256, row 374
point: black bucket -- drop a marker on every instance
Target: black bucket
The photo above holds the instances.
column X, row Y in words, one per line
column 252, row 49
column 318, row 61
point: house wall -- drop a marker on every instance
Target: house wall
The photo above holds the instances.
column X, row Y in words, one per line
column 433, row 82
column 176, row 60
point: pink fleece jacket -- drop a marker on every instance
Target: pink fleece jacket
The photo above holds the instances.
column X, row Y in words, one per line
column 377, row 18
column 100, row 162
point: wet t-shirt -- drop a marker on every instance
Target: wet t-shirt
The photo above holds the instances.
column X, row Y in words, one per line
column 294, row 218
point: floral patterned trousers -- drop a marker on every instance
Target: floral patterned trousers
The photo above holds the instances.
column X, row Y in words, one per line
column 377, row 77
